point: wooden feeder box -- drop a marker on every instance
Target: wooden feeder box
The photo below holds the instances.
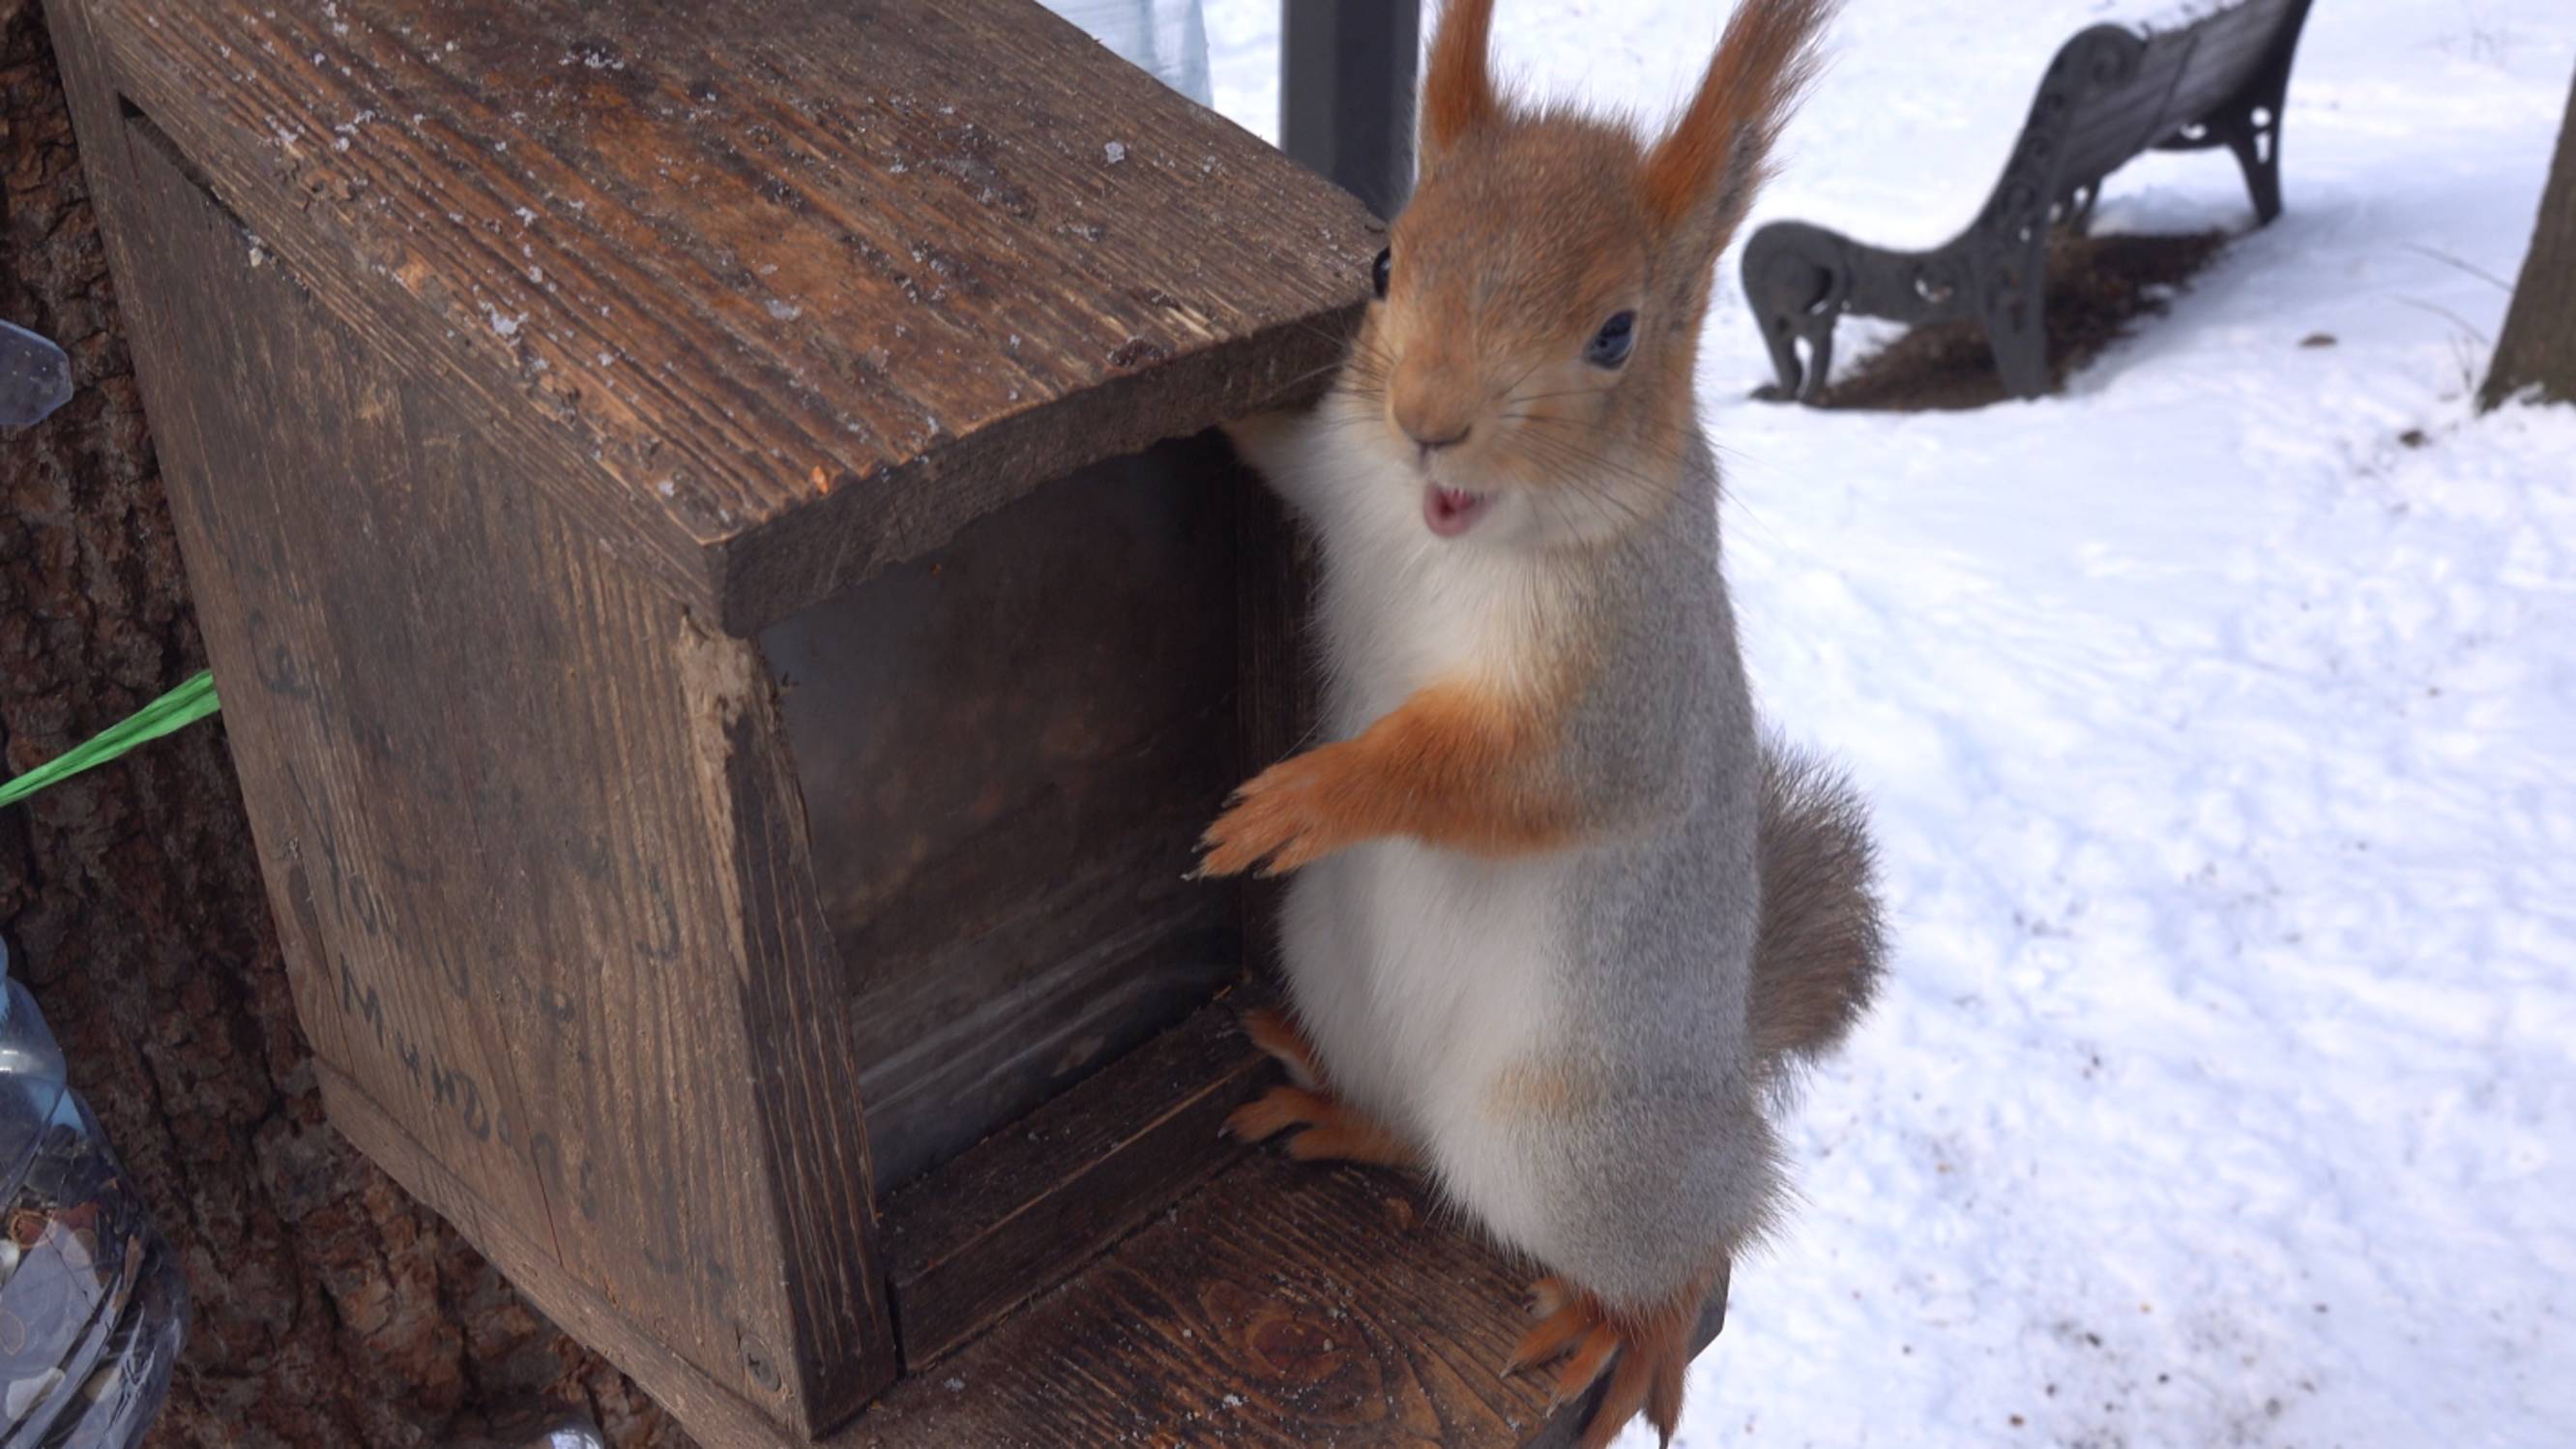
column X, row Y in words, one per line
column 731, row 620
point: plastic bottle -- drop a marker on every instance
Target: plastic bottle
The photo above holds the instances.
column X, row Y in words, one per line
column 92, row 1303
column 571, row 1431
column 1165, row 37
column 36, row 378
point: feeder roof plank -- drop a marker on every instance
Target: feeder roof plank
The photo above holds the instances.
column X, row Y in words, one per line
column 785, row 290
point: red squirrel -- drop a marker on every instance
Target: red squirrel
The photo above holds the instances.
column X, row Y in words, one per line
column 1563, row 921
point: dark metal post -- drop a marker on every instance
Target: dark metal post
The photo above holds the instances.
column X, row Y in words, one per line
column 1346, row 76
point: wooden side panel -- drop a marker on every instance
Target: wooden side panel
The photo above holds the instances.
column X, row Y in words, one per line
column 527, row 830
column 810, row 1167
column 1008, row 749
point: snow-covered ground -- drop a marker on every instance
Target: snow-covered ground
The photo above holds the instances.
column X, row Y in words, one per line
column 2221, row 717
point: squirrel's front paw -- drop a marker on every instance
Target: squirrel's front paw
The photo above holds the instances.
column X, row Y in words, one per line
column 1284, row 815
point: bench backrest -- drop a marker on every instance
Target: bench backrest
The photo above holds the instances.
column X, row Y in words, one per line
column 2174, row 77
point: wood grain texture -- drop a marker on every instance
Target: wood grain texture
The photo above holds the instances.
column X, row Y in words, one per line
column 1007, row 748
column 1008, row 1220
column 782, row 292
column 1282, row 1304
column 327, row 1306
column 797, row 1024
column 717, row 1416
column 526, row 829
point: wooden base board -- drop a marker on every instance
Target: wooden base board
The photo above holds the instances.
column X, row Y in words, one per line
column 1280, row 1304
column 1033, row 1202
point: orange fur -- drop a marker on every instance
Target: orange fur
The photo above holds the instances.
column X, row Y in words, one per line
column 1557, row 1331
column 1540, row 1091
column 1652, row 1347
column 1664, row 1394
column 1582, row 1368
column 1457, row 88
column 1279, row 1038
column 1528, row 230
column 1716, row 154
column 1333, row 1130
column 1452, row 766
column 1536, row 284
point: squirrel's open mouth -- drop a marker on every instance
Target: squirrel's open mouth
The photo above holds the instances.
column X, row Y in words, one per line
column 1452, row 511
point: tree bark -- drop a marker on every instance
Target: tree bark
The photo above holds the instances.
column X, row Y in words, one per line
column 2538, row 346
column 331, row 1310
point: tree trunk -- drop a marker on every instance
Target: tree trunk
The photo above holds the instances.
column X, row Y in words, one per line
column 2538, row 348
column 331, row 1310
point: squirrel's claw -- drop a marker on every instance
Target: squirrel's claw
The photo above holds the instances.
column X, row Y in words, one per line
column 1556, row 1331
column 1330, row 1129
column 1549, row 1295
column 1645, row 1356
column 1583, row 1367
column 1577, row 1333
column 1274, row 1112
column 1277, row 820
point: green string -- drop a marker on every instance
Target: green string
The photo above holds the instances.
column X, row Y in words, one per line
column 181, row 707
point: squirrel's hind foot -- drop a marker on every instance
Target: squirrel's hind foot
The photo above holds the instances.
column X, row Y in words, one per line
column 1328, row 1128
column 1279, row 1038
column 1645, row 1353
column 1331, row 1129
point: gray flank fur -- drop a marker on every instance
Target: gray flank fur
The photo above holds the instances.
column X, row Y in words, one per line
column 1677, row 1160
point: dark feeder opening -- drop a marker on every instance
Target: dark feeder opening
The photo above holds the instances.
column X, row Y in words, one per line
column 1008, row 748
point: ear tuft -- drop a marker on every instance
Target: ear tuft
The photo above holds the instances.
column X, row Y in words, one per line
column 1705, row 171
column 1457, row 88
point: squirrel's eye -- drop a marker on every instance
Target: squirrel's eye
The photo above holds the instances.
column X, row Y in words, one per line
column 1609, row 346
column 1381, row 271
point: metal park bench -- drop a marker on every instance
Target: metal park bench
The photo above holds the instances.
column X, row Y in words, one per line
column 2212, row 76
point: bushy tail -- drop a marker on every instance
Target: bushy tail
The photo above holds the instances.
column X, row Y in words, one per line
column 1822, row 941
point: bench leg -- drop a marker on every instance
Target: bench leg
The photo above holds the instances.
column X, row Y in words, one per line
column 2011, row 272
column 2018, row 326
column 1801, row 279
column 2077, row 217
column 2253, row 134
column 2250, row 125
column 1797, row 280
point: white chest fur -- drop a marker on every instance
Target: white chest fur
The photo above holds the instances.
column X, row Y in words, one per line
column 1424, row 976
column 1401, row 607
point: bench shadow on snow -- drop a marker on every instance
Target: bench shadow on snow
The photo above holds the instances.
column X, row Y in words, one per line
column 2099, row 289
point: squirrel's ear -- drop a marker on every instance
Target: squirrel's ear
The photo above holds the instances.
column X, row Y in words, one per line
column 1457, row 89
column 1700, row 178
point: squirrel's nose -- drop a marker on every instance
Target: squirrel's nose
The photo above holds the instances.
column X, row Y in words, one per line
column 1429, row 444
column 1434, row 416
